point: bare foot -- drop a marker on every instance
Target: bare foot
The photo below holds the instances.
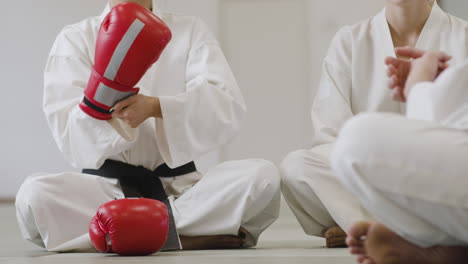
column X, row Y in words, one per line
column 335, row 237
column 357, row 235
column 374, row 243
column 214, row 242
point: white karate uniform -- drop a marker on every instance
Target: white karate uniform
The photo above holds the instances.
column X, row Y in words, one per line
column 202, row 108
column 354, row 80
column 411, row 173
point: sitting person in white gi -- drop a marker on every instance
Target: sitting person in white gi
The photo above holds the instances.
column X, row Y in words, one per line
column 189, row 105
column 354, row 81
column 410, row 172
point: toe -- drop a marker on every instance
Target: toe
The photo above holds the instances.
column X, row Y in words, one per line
column 359, row 230
column 368, row 261
column 357, row 250
column 361, row 258
column 352, row 242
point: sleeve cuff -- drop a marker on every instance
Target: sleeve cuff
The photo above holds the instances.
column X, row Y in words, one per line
column 93, row 141
column 419, row 103
column 170, row 131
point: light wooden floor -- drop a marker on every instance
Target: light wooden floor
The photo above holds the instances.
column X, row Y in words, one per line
column 283, row 243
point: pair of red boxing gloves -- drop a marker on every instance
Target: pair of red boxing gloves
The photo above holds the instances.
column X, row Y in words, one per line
column 130, row 40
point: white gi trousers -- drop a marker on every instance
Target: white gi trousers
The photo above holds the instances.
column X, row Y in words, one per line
column 411, row 173
column 314, row 193
column 54, row 211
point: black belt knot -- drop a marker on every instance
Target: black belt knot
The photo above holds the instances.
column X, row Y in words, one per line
column 138, row 181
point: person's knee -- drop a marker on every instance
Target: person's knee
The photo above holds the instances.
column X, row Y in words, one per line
column 291, row 168
column 266, row 179
column 30, row 193
column 361, row 138
column 30, row 199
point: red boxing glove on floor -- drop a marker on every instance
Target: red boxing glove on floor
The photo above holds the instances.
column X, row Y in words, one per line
column 130, row 227
column 129, row 42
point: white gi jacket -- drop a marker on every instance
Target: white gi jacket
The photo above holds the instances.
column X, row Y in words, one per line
column 201, row 103
column 354, row 76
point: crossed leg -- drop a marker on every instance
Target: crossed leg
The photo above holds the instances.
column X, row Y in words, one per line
column 411, row 176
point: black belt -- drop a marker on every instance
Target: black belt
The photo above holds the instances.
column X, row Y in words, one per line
column 137, row 181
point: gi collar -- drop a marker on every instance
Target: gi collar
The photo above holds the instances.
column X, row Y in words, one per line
column 437, row 20
column 437, row 14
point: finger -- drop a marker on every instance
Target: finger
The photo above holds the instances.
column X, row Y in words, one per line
column 116, row 114
column 120, row 113
column 439, row 55
column 392, row 70
column 446, row 59
column 124, row 103
column 444, row 56
column 389, row 72
column 409, row 52
column 397, row 96
column 399, row 89
column 394, row 82
column 123, row 114
column 390, row 60
column 390, row 84
column 443, row 65
column 402, row 97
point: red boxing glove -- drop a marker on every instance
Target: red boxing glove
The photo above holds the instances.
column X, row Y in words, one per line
column 130, row 227
column 130, row 40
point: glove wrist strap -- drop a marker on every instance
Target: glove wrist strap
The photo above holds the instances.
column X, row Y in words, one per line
column 102, row 94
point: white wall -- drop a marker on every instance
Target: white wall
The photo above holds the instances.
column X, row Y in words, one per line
column 275, row 48
column 28, row 29
column 267, row 46
column 456, row 7
column 206, row 9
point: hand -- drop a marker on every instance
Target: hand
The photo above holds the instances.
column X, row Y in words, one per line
column 136, row 109
column 414, row 53
column 426, row 69
column 399, row 69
